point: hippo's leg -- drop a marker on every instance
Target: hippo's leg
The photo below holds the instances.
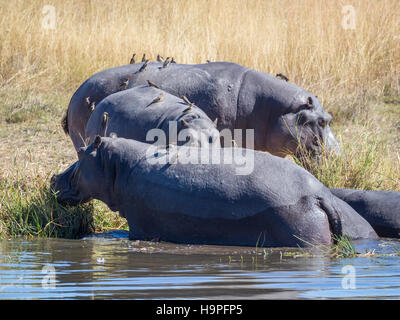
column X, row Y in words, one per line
column 344, row 220
column 302, row 223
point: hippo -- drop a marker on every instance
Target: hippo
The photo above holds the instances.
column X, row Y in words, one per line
column 283, row 115
column 380, row 208
column 133, row 112
column 275, row 204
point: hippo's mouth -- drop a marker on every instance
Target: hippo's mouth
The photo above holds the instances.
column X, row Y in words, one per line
column 70, row 198
column 64, row 185
column 314, row 147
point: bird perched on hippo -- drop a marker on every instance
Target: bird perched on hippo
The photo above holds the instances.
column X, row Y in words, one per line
column 276, row 204
column 283, row 115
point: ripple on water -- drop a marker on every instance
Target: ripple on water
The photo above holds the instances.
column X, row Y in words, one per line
column 110, row 266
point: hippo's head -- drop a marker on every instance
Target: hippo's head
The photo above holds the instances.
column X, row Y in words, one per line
column 302, row 127
column 198, row 132
column 85, row 179
column 66, row 186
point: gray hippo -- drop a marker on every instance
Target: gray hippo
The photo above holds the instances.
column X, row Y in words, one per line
column 380, row 208
column 133, row 112
column 282, row 114
column 273, row 205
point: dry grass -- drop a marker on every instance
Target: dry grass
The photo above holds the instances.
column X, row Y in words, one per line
column 355, row 73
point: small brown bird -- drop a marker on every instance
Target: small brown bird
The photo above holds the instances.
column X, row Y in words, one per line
column 144, row 57
column 173, row 60
column 158, row 99
column 282, row 76
column 160, row 58
column 208, row 61
column 184, row 123
column 104, row 119
column 132, row 59
column 166, row 62
column 87, row 100
column 186, row 100
column 104, row 123
column 188, row 109
column 151, row 84
column 144, row 66
column 92, row 106
column 124, row 84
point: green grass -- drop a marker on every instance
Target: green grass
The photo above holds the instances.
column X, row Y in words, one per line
column 29, row 208
column 27, row 211
column 368, row 161
column 342, row 247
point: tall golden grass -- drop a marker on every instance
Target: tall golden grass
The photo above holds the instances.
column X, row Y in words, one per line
column 354, row 72
column 301, row 38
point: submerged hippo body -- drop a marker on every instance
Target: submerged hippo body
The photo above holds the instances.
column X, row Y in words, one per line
column 133, row 112
column 281, row 113
column 273, row 205
column 380, row 208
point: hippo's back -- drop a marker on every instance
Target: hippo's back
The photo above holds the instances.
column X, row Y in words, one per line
column 222, row 188
column 132, row 113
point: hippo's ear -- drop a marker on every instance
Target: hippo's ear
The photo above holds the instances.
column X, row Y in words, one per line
column 304, row 106
column 81, row 151
column 97, row 142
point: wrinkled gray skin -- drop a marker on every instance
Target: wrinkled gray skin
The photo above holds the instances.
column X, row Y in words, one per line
column 281, row 113
column 380, row 208
column 131, row 115
column 208, row 203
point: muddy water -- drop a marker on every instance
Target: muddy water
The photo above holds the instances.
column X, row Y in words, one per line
column 109, row 266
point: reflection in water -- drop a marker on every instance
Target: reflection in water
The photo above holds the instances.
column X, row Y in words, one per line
column 111, row 266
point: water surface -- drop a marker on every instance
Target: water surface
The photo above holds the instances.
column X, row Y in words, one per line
column 109, row 266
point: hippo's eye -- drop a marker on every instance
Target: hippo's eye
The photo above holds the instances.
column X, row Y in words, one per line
column 322, row 123
column 305, row 107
